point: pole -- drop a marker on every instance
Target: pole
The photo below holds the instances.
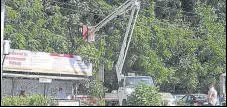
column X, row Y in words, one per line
column 44, row 91
column 2, row 37
column 76, row 89
column 12, row 90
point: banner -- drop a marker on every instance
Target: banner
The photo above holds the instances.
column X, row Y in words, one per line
column 27, row 61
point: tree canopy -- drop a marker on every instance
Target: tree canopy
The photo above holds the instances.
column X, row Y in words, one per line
column 182, row 43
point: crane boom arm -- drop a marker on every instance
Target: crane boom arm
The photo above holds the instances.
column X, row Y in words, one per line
column 134, row 6
column 114, row 14
column 126, row 42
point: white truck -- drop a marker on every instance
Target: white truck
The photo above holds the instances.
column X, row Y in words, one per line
column 126, row 86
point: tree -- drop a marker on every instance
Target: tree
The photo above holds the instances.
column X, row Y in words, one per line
column 182, row 43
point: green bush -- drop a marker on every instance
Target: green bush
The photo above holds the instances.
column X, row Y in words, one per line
column 32, row 100
column 145, row 96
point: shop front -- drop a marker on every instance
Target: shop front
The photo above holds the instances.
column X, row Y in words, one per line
column 57, row 76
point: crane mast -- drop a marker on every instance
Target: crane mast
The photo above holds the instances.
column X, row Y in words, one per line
column 89, row 32
column 127, row 40
column 134, row 6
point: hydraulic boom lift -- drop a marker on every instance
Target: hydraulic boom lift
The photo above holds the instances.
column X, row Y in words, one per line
column 88, row 33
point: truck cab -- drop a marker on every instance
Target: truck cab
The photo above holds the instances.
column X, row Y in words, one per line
column 128, row 84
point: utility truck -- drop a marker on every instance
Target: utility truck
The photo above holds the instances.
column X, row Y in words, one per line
column 127, row 84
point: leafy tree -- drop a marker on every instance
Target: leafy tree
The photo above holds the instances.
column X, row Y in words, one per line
column 97, row 91
column 182, row 43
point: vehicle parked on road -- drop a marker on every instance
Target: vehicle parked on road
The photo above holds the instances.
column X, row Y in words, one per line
column 168, row 99
column 194, row 99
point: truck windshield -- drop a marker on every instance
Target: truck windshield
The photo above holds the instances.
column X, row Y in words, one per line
column 134, row 81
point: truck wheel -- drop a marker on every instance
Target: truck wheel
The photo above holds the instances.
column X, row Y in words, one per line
column 124, row 103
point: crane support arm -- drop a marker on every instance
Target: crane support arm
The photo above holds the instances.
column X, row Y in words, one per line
column 89, row 32
column 120, row 10
column 126, row 42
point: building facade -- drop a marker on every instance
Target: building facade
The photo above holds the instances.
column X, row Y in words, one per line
column 23, row 71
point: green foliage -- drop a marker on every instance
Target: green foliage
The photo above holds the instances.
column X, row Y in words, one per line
column 145, row 96
column 101, row 102
column 33, row 100
column 104, row 5
column 177, row 54
column 97, row 91
column 165, row 44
